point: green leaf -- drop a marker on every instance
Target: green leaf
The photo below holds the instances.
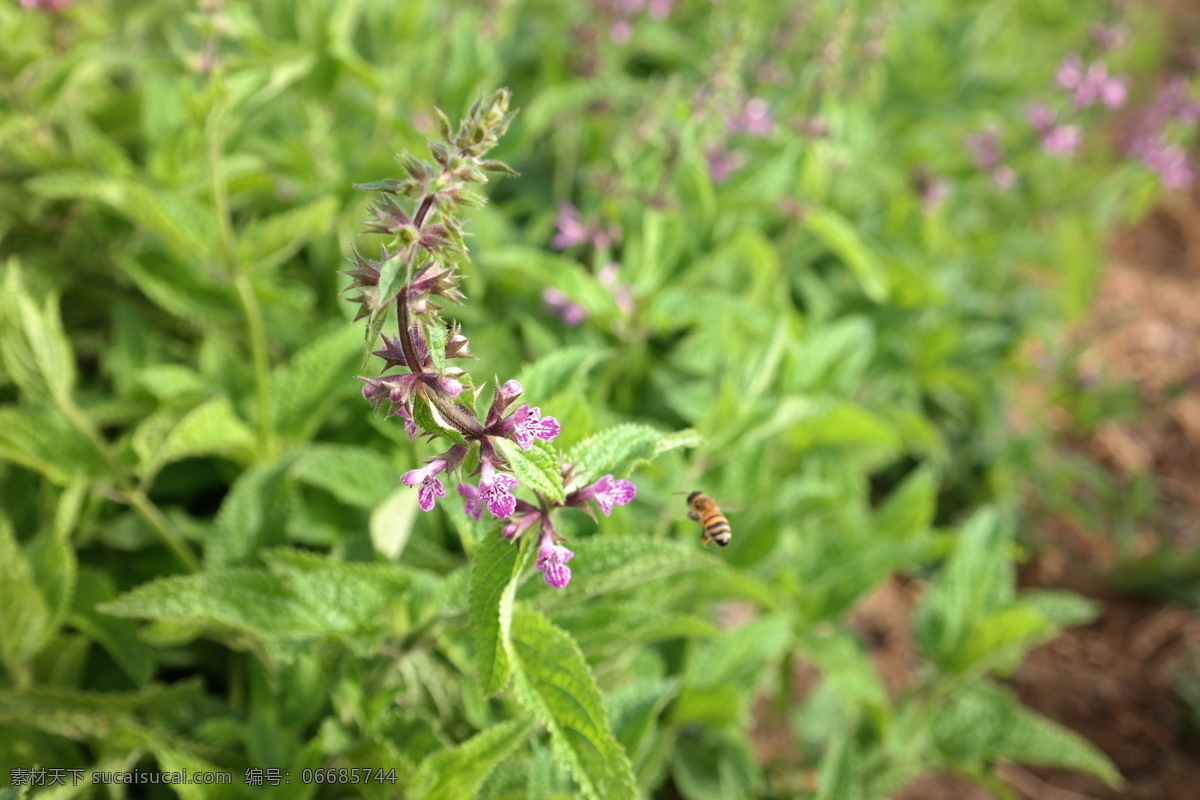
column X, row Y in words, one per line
column 636, row 708
column 839, row 236
column 43, row 440
column 612, row 563
column 620, row 449
column 975, row 581
column 251, row 516
column 392, row 522
column 435, row 339
column 557, row 371
column 429, row 420
column 536, row 468
column 33, row 342
column 844, row 666
column 984, row 723
column 211, row 428
column 24, row 614
column 554, row 681
column 53, row 563
column 304, row 389
column 140, row 716
column 187, row 229
column 265, row 243
column 355, row 475
column 494, row 568
column 738, row 658
column 536, row 266
column 119, row 637
column 287, row 609
column 457, row 773
column 909, row 509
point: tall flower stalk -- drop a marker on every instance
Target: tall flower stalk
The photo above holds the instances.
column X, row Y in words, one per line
column 415, row 276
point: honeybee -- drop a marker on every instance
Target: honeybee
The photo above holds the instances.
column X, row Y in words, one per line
column 704, row 510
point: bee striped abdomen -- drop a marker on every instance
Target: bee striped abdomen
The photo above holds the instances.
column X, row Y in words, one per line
column 713, row 523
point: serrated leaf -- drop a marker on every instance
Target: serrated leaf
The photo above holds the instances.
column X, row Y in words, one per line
column 53, row 563
column 428, row 420
column 607, row 564
column 493, row 569
column 75, row 714
column 983, row 723
column 187, row 229
column 119, row 637
column 435, row 338
column 635, row 708
column 555, row 682
column 24, row 614
column 620, row 449
column 458, row 772
column 537, row 468
column 839, row 236
column 211, row 428
column 355, row 475
column 737, row 658
column 34, row 345
column 182, row 289
column 251, row 516
column 42, row 440
column 266, row 243
column 844, row 666
column 286, row 609
column 392, row 522
column 557, row 370
column 909, row 509
column 304, row 389
column 975, row 581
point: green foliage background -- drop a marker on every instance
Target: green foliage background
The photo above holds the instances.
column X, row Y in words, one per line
column 206, row 559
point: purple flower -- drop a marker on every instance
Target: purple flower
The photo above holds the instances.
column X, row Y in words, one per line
column 1062, row 140
column 519, row 525
column 1057, row 140
column 495, row 491
column 609, row 493
column 754, row 119
column 472, row 503
column 985, row 148
column 452, row 387
column 431, row 487
column 410, row 427
column 1113, row 92
column 1091, row 84
column 722, row 163
column 557, row 303
column 571, row 230
column 552, row 560
column 1171, row 164
column 528, row 423
column 622, row 292
column 1004, row 177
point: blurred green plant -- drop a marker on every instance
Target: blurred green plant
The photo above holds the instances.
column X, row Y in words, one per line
column 766, row 228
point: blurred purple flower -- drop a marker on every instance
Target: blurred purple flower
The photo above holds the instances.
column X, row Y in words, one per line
column 1087, row 86
column 621, row 292
column 557, row 303
column 985, row 148
column 753, row 119
column 571, row 230
column 1057, row 140
column 722, row 163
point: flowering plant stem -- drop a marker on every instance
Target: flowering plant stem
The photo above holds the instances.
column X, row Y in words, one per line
column 429, row 244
